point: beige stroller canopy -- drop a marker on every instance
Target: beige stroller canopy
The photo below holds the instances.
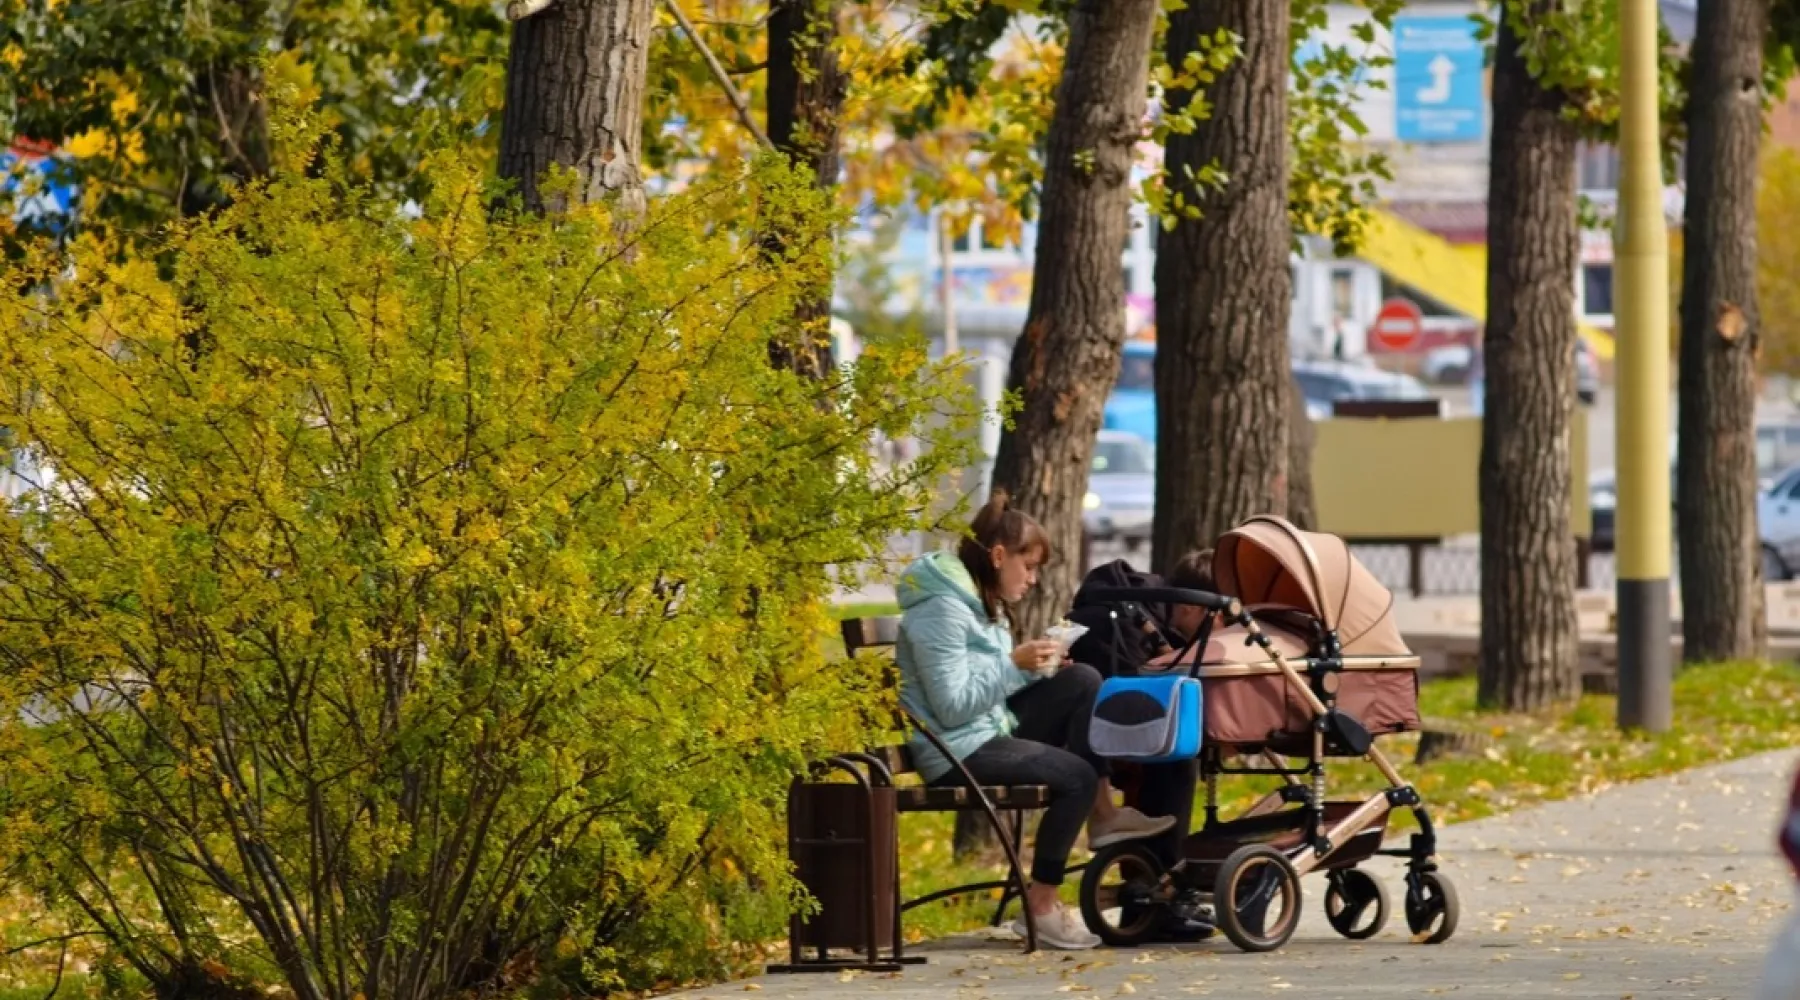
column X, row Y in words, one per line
column 1267, row 561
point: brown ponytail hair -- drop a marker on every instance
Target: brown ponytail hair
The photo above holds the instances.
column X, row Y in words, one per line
column 998, row 524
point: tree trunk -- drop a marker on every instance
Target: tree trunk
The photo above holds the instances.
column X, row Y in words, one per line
column 236, row 95
column 1721, row 565
column 1222, row 292
column 575, row 81
column 972, row 836
column 231, row 96
column 806, row 106
column 1300, row 506
column 1528, row 648
column 1067, row 358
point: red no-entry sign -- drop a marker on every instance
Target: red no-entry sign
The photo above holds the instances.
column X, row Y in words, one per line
column 1399, row 326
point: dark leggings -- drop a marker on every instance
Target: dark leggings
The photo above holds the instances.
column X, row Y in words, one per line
column 1050, row 747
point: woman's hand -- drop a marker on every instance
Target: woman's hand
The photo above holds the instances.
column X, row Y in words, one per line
column 1038, row 654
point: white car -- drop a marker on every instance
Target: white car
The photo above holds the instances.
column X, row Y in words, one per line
column 1778, row 521
column 1121, row 497
column 1451, row 364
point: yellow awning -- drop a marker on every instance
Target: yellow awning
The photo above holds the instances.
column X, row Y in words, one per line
column 1453, row 275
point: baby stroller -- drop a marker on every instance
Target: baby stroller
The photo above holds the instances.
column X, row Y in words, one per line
column 1304, row 660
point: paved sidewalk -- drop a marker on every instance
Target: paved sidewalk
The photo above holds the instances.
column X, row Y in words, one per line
column 1666, row 888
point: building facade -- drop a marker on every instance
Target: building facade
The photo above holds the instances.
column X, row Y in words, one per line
column 1428, row 110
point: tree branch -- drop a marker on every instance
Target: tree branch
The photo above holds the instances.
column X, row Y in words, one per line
column 54, row 939
column 62, row 962
column 718, row 71
column 519, row 10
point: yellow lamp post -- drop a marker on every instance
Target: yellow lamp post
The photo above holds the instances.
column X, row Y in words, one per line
column 1642, row 424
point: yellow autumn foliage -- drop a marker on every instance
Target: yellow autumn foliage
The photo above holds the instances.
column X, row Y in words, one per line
column 411, row 593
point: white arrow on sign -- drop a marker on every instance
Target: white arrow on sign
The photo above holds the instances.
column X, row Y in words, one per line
column 1441, row 70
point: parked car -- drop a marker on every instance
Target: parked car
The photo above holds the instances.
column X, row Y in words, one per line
column 1778, row 521
column 1121, row 493
column 1587, row 373
column 1777, row 451
column 1132, row 406
column 1449, row 364
column 1325, row 382
column 1455, row 364
column 1603, row 504
column 1777, row 448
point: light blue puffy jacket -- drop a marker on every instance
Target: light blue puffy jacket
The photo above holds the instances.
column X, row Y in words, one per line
column 956, row 668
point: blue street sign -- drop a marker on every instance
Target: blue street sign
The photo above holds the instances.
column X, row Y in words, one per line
column 1438, row 92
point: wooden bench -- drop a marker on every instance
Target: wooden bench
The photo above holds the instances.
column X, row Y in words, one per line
column 1014, row 801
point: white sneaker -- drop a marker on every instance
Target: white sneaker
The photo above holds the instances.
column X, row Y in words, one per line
column 1061, row 929
column 1126, row 824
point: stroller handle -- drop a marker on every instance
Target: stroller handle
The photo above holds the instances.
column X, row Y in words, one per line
column 1168, row 595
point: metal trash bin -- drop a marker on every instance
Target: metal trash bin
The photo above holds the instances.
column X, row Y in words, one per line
column 843, row 840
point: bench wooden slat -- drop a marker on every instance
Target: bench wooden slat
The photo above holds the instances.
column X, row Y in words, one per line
column 955, row 798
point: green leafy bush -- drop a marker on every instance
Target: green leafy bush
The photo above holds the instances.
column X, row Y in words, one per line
column 416, row 602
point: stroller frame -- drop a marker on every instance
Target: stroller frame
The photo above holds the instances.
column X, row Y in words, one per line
column 1239, row 866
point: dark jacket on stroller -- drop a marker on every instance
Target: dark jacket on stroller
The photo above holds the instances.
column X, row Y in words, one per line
column 1120, row 638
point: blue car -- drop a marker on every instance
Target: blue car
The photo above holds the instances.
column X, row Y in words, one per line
column 1132, row 406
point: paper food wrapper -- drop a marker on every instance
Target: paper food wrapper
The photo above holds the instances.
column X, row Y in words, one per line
column 1065, row 634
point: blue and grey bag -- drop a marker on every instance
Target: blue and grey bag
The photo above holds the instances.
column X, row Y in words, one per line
column 1147, row 720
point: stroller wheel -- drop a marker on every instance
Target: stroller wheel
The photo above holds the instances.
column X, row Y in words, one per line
column 1257, row 898
column 1124, row 895
column 1431, row 908
column 1355, row 904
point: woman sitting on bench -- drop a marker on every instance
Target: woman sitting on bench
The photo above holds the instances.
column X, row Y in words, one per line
column 1013, row 715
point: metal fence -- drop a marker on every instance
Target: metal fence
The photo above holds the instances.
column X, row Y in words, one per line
column 1455, row 567
column 1450, row 568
